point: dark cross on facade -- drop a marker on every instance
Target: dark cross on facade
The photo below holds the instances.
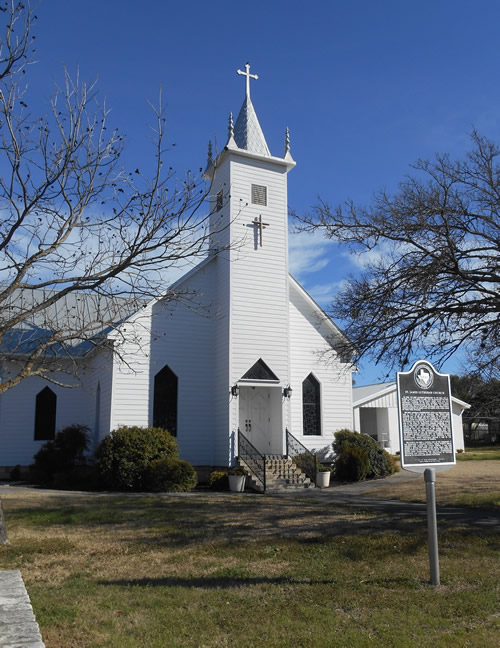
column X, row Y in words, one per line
column 259, row 225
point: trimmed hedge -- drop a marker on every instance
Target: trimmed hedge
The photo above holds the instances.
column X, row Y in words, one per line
column 61, row 456
column 170, row 474
column 352, row 464
column 379, row 461
column 124, row 456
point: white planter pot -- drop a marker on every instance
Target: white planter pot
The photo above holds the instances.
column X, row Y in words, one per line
column 323, row 479
column 237, row 483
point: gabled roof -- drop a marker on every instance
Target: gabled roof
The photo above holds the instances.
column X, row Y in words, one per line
column 363, row 395
column 366, row 393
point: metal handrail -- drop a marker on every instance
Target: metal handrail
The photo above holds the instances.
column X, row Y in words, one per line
column 254, row 460
column 301, row 456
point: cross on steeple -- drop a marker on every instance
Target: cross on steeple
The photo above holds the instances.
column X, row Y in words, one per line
column 248, row 76
column 259, row 225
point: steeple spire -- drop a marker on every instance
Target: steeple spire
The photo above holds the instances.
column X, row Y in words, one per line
column 248, row 134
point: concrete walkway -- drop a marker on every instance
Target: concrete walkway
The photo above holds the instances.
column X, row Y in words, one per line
column 18, row 627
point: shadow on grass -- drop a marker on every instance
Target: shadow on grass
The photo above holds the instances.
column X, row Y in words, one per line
column 144, row 521
column 215, row 582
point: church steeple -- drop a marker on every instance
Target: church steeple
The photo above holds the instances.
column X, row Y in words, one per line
column 248, row 134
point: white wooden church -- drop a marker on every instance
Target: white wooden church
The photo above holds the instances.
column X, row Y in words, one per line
column 253, row 368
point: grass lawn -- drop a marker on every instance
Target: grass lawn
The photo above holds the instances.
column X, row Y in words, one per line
column 474, row 484
column 245, row 571
column 480, row 453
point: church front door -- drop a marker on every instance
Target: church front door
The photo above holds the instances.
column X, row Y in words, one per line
column 261, row 419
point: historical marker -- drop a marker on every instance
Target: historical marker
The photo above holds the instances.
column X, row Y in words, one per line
column 425, row 420
column 426, row 437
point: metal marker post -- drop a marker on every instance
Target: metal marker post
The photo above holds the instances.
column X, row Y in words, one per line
column 430, row 479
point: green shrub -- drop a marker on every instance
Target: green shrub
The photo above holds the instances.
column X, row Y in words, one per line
column 380, row 463
column 61, row 454
column 124, row 456
column 218, row 480
column 170, row 474
column 306, row 463
column 395, row 461
column 237, row 470
column 352, row 464
column 82, row 477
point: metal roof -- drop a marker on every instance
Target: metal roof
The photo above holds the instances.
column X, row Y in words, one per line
column 79, row 317
column 248, row 134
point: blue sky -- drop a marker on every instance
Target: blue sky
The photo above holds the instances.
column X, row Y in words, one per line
column 365, row 86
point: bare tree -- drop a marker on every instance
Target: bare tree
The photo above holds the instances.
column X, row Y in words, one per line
column 82, row 241
column 430, row 281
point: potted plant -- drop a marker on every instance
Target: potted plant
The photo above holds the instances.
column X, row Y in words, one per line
column 236, row 477
column 323, row 476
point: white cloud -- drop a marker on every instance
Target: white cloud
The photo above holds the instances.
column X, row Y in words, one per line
column 308, row 252
column 323, row 292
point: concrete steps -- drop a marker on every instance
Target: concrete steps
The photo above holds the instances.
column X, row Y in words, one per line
column 281, row 474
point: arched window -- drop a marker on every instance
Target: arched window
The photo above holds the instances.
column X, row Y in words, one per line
column 165, row 400
column 311, row 406
column 45, row 415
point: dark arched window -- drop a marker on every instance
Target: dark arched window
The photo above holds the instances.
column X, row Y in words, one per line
column 45, row 415
column 311, row 406
column 165, row 400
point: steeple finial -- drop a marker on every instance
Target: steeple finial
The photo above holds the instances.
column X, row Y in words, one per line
column 248, row 76
column 287, row 155
column 287, row 142
column 230, row 128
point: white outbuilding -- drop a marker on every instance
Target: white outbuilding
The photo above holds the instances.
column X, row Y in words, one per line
column 375, row 410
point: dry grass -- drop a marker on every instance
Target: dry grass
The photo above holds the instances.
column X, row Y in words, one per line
column 195, row 570
column 469, row 483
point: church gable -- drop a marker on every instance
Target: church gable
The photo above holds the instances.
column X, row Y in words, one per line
column 260, row 371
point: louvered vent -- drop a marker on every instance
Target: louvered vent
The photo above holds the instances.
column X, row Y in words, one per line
column 259, row 195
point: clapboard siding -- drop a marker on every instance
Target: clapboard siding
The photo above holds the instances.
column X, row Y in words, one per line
column 17, row 415
column 100, row 375
column 308, row 348
column 181, row 336
column 130, row 396
column 219, row 220
column 259, row 286
column 224, row 415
